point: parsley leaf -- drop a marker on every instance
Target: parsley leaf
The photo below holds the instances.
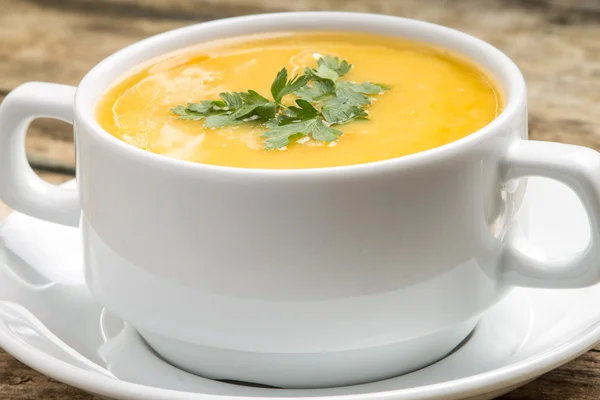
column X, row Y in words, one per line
column 282, row 135
column 325, row 102
column 233, row 100
column 321, row 90
column 334, row 64
column 195, row 111
column 252, row 97
column 351, row 96
column 329, row 68
column 282, row 87
column 322, row 132
column 219, row 120
column 338, row 111
column 323, row 72
column 266, row 111
column 207, row 106
column 304, row 111
column 365, row 87
column 186, row 113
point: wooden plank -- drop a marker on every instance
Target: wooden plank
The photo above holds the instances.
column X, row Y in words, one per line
column 562, row 65
column 155, row 10
column 60, row 40
column 19, row 382
column 553, row 42
column 579, row 379
column 50, row 146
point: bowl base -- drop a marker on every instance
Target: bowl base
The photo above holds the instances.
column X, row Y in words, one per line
column 310, row 370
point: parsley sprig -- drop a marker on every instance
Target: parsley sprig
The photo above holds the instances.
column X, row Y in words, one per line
column 323, row 100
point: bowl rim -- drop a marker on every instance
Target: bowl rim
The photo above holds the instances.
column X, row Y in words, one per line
column 507, row 71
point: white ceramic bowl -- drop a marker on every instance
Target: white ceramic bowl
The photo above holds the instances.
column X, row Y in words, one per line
column 301, row 278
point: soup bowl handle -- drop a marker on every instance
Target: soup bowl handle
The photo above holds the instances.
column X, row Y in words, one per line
column 577, row 167
column 20, row 187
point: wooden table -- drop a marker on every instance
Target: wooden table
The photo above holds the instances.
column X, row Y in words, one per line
column 555, row 43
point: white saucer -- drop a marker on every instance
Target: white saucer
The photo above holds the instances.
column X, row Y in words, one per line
column 49, row 321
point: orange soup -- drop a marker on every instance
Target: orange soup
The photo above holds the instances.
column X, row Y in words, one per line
column 356, row 98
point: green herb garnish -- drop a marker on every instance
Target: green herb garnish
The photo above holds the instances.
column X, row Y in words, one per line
column 323, row 100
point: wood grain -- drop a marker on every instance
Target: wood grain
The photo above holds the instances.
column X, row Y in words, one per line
column 555, row 45
column 554, row 42
column 19, row 382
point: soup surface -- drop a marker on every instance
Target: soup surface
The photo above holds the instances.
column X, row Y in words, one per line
column 433, row 97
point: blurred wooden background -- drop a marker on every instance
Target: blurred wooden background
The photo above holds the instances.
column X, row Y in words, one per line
column 556, row 43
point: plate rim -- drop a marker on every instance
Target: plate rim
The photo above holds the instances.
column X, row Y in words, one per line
column 478, row 384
